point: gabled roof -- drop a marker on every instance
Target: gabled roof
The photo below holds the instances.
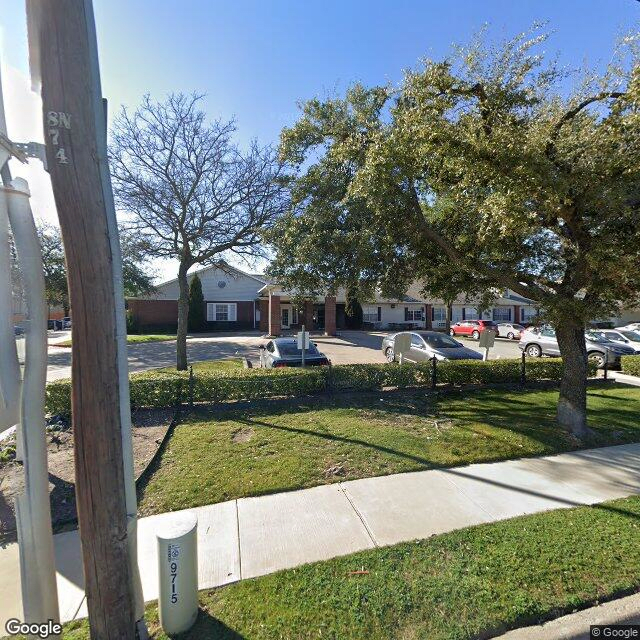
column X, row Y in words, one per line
column 227, row 267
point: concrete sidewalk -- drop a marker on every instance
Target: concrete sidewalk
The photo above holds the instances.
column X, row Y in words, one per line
column 251, row 537
column 575, row 626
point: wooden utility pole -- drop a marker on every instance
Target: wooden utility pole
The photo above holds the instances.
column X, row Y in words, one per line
column 63, row 49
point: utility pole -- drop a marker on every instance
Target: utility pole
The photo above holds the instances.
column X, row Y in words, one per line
column 64, row 61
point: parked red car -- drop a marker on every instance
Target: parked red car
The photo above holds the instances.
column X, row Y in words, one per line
column 472, row 328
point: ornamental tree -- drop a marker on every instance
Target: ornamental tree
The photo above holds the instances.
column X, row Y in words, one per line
column 190, row 192
column 491, row 169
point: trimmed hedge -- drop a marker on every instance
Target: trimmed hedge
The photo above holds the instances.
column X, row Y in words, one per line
column 630, row 365
column 166, row 389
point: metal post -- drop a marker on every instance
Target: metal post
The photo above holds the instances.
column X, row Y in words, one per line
column 191, row 386
column 606, row 366
column 304, row 343
column 434, row 375
column 23, row 400
column 523, row 369
column 33, row 512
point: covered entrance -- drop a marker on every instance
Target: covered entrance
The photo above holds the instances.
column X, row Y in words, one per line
column 279, row 315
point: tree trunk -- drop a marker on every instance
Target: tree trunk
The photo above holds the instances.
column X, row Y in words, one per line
column 183, row 318
column 572, row 403
column 447, row 325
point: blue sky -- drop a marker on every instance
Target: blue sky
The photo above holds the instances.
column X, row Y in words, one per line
column 256, row 59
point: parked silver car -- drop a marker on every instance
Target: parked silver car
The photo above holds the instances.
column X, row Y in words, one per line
column 510, row 330
column 541, row 341
column 622, row 336
column 427, row 344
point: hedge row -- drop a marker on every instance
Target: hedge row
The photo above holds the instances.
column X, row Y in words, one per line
column 166, row 389
column 630, row 365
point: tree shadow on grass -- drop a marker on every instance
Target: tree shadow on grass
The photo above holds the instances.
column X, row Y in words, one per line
column 208, row 627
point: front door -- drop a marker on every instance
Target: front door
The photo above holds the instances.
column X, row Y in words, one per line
column 285, row 317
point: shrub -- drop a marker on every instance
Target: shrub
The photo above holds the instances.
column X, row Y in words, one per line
column 133, row 326
column 197, row 309
column 168, row 388
column 630, row 365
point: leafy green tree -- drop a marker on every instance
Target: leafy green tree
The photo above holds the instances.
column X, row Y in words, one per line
column 55, row 271
column 136, row 279
column 481, row 169
column 197, row 311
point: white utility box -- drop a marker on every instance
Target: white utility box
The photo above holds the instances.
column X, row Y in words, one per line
column 178, row 572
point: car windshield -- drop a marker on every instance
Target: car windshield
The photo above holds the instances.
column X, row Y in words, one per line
column 441, row 342
column 291, row 349
column 631, row 335
column 596, row 336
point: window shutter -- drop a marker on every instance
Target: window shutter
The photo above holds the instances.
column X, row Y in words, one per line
column 406, row 313
column 379, row 314
column 211, row 312
column 233, row 312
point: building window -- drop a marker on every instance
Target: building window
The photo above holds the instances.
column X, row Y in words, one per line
column 371, row 314
column 225, row 312
column 471, row 313
column 294, row 316
column 502, row 314
column 439, row 314
column 413, row 315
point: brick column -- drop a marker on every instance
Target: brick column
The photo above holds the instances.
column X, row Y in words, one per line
column 307, row 315
column 275, row 319
column 427, row 316
column 330, row 316
column 516, row 314
column 264, row 315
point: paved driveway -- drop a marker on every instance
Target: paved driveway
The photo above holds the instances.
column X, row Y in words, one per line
column 350, row 347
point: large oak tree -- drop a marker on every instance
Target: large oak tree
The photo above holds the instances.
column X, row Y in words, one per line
column 190, row 191
column 491, row 169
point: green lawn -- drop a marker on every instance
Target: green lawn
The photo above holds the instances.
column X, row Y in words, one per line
column 134, row 338
column 450, row 587
column 282, row 445
column 210, row 365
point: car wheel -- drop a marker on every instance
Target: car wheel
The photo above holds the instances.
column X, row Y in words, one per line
column 391, row 357
column 598, row 358
column 475, row 335
column 452, row 332
column 510, row 335
column 534, row 351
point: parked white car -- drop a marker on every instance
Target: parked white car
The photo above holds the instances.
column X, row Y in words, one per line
column 510, row 330
column 632, row 326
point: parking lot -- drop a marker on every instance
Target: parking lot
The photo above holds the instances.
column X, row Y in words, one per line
column 349, row 347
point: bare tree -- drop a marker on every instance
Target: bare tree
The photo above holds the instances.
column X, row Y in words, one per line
column 192, row 193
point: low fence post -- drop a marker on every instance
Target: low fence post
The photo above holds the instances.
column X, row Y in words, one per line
column 523, row 369
column 434, row 374
column 606, row 366
column 191, row 386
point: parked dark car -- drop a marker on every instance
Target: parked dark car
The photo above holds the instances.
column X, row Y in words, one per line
column 18, row 330
column 541, row 341
column 284, row 352
column 427, row 344
column 472, row 328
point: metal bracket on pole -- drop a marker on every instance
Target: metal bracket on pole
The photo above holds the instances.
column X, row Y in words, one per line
column 32, row 150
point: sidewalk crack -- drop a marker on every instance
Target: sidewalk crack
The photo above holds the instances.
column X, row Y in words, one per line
column 238, row 532
column 360, row 516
